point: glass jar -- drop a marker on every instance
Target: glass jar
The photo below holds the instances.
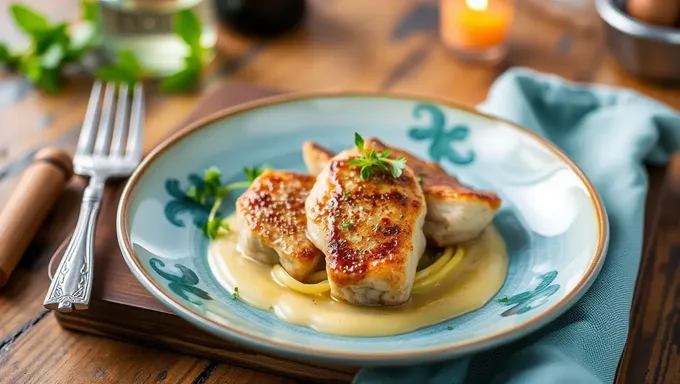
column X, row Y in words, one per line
column 145, row 28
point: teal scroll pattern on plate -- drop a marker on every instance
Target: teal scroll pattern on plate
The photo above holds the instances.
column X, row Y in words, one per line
column 529, row 300
column 181, row 285
column 180, row 203
column 442, row 139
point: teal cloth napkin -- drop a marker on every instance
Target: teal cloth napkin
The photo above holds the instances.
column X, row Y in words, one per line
column 610, row 133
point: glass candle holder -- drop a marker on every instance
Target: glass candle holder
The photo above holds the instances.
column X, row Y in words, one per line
column 476, row 30
column 145, row 27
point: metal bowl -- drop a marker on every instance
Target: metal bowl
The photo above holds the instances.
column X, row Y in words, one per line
column 645, row 50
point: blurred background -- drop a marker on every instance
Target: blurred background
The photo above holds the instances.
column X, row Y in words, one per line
column 420, row 41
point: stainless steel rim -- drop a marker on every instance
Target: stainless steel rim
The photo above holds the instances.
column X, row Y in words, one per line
column 626, row 24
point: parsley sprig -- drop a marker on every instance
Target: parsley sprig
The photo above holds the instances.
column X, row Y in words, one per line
column 373, row 160
column 213, row 190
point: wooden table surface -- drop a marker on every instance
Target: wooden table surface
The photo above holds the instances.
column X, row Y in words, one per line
column 349, row 44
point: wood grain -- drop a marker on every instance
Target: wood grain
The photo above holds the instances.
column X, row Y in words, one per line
column 652, row 352
column 349, row 44
column 46, row 355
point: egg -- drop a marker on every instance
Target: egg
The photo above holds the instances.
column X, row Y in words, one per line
column 658, row 12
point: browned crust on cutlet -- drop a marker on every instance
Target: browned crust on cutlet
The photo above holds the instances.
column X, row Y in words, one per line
column 315, row 156
column 375, row 246
column 273, row 208
column 435, row 181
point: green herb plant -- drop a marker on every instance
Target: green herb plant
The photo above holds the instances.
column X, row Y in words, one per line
column 213, row 191
column 372, row 161
column 187, row 27
column 52, row 46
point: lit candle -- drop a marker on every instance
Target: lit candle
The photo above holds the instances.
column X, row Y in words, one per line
column 480, row 26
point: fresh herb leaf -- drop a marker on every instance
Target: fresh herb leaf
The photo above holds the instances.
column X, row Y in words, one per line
column 185, row 79
column 89, row 12
column 372, row 160
column 503, row 300
column 127, row 70
column 86, row 34
column 51, row 47
column 450, row 328
column 128, row 60
column 235, row 295
column 212, row 181
column 27, row 19
column 271, row 307
column 45, row 71
column 8, row 58
column 347, row 195
column 215, row 227
column 347, row 225
column 397, row 166
column 211, row 191
column 359, row 142
column 52, row 57
column 188, row 27
column 252, row 173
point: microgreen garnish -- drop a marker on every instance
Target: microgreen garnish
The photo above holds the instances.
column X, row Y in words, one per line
column 450, row 328
column 347, row 225
column 253, row 172
column 503, row 300
column 235, row 295
column 347, row 195
column 372, row 160
column 213, row 190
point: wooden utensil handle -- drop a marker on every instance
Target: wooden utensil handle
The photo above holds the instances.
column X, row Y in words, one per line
column 31, row 200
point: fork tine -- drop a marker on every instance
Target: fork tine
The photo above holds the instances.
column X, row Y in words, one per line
column 87, row 131
column 120, row 122
column 134, row 144
column 101, row 145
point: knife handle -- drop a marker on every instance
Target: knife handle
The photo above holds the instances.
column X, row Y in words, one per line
column 39, row 187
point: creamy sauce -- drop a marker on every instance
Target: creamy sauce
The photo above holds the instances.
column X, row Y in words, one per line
column 470, row 286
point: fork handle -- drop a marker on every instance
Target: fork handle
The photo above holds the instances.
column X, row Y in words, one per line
column 72, row 282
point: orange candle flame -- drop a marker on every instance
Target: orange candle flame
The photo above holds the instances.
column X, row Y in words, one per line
column 477, row 5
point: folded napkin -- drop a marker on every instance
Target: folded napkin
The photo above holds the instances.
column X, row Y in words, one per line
column 610, row 133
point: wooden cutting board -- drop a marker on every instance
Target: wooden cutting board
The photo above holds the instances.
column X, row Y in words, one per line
column 121, row 308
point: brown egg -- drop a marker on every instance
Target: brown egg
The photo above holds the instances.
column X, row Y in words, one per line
column 657, row 12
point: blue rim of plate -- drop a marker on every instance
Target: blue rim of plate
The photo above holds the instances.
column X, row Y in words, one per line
column 319, row 353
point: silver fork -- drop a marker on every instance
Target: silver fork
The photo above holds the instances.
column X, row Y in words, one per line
column 109, row 146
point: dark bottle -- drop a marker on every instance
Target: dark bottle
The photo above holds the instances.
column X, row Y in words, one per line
column 264, row 18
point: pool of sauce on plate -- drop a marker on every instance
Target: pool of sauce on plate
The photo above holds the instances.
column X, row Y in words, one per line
column 473, row 283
